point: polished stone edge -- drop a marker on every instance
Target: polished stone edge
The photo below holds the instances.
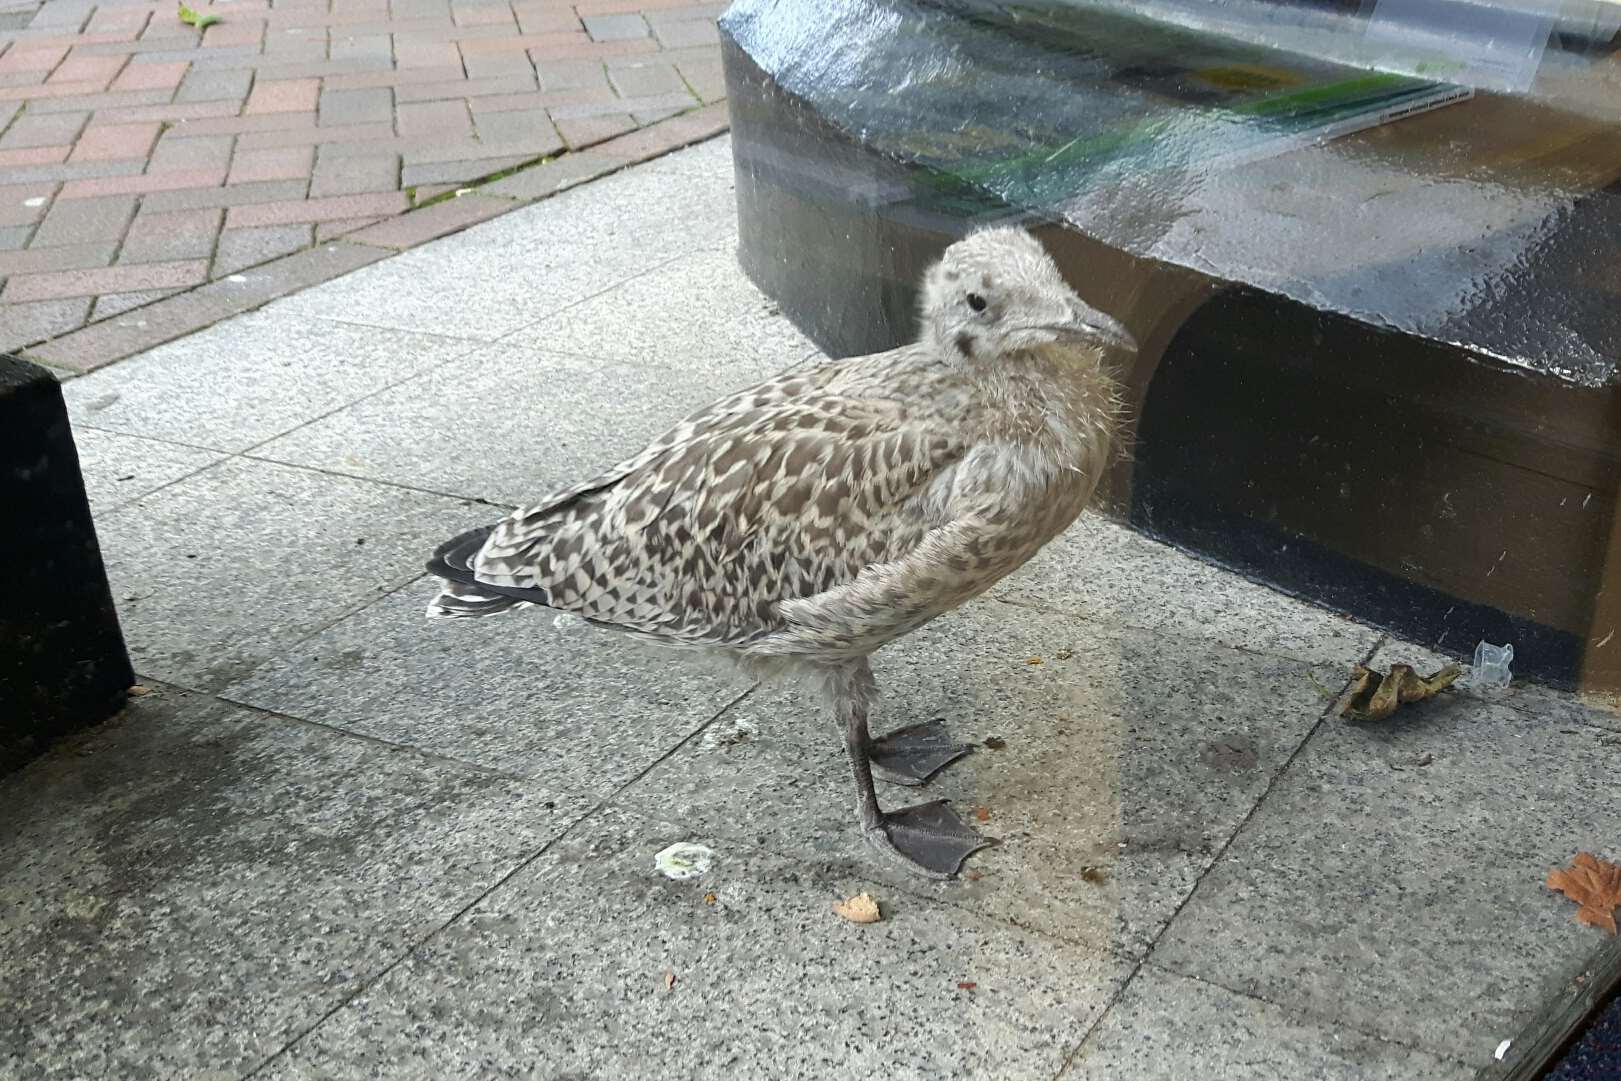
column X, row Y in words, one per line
column 1566, row 1014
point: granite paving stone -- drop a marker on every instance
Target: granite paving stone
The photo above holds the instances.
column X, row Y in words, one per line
column 1125, row 762
column 1392, row 880
column 110, row 304
column 500, row 276
column 282, row 372
column 241, row 248
column 191, row 884
column 474, row 433
column 698, row 309
column 119, row 469
column 1149, row 585
column 41, row 319
column 526, row 698
column 218, row 572
column 763, row 980
column 1170, row 1028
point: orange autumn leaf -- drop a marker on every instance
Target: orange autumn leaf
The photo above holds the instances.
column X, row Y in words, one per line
column 1594, row 884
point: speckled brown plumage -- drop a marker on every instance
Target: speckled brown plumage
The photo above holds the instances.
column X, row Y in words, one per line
column 818, row 515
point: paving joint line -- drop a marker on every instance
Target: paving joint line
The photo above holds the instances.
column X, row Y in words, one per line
column 1306, row 1015
column 521, row 866
column 1179, row 634
column 228, row 456
column 1216, row 859
column 337, row 730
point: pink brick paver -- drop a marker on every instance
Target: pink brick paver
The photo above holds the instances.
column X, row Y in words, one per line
column 139, row 156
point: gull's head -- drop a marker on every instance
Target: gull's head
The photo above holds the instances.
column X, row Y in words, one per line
column 997, row 292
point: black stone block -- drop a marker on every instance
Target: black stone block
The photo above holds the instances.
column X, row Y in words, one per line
column 63, row 665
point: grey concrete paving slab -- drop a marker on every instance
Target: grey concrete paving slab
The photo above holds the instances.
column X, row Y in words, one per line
column 1130, row 758
column 1601, row 709
column 1393, row 878
column 510, row 424
column 504, row 274
column 1169, row 1028
column 188, row 886
column 698, row 309
column 712, row 158
column 118, row 468
column 576, row 707
column 1105, row 572
column 245, row 380
column 561, row 974
column 228, row 567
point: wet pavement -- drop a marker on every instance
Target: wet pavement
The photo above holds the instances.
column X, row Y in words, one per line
column 336, row 841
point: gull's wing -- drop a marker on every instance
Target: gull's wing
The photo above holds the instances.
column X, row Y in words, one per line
column 782, row 491
column 999, row 512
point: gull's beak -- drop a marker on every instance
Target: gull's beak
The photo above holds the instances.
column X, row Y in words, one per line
column 1089, row 324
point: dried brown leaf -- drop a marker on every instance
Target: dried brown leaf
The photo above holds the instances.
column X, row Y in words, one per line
column 858, row 909
column 1373, row 696
column 982, row 812
column 709, row 898
column 1033, row 660
column 1594, row 884
column 995, row 743
column 966, row 985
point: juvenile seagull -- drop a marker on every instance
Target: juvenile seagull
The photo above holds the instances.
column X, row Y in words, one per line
column 813, row 518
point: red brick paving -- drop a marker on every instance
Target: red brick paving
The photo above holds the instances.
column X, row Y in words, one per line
column 139, row 157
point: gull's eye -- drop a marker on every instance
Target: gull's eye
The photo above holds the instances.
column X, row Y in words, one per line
column 976, row 302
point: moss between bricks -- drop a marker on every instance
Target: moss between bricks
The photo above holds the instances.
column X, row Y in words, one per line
column 521, row 166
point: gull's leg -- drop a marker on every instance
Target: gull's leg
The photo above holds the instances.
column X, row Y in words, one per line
column 928, row 836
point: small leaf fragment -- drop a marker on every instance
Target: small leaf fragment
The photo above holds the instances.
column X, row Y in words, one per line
column 1594, row 884
column 709, row 898
column 1032, row 660
column 858, row 909
column 966, row 985
column 198, row 19
column 982, row 812
column 669, row 980
column 138, row 690
column 995, row 743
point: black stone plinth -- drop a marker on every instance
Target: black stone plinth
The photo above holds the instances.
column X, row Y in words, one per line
column 63, row 665
column 1393, row 432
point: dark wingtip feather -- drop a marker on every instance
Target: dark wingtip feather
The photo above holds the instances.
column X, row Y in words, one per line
column 464, row 596
column 453, row 560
